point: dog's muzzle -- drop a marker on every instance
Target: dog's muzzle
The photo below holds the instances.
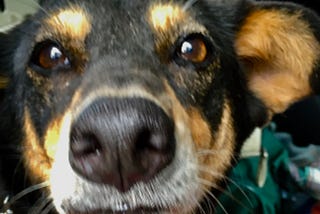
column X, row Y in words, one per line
column 121, row 141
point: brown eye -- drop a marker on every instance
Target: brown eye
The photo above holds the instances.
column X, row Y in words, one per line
column 48, row 55
column 194, row 49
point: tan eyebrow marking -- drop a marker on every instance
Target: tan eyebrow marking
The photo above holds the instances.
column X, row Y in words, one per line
column 168, row 22
column 164, row 16
column 74, row 23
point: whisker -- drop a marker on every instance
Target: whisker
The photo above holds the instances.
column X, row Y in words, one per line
column 215, row 174
column 211, row 152
column 17, row 170
column 191, row 205
column 40, row 205
column 24, row 193
column 48, row 208
column 208, row 193
column 201, row 209
column 209, row 184
column 208, row 204
column 188, row 4
column 199, row 206
column 203, row 152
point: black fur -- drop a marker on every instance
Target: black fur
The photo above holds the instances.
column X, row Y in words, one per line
column 124, row 49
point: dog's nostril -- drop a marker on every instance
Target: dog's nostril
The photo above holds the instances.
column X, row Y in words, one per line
column 150, row 140
column 151, row 151
column 84, row 145
column 143, row 139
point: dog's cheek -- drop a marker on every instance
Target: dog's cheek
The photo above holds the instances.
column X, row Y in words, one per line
column 36, row 160
column 214, row 149
column 38, row 155
column 200, row 129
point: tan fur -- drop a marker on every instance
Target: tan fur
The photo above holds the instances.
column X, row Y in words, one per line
column 39, row 81
column 213, row 152
column 55, row 129
column 4, row 81
column 36, row 160
column 52, row 137
column 215, row 156
column 200, row 129
column 39, row 158
column 72, row 23
column 280, row 52
column 165, row 16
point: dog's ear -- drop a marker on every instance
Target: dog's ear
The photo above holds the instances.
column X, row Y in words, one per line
column 278, row 47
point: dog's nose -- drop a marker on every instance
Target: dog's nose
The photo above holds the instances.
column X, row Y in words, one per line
column 121, row 142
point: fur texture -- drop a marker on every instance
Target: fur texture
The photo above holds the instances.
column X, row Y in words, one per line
column 142, row 106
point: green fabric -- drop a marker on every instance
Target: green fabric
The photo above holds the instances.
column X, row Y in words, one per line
column 244, row 196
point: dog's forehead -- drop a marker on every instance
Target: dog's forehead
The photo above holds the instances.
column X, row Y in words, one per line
column 120, row 19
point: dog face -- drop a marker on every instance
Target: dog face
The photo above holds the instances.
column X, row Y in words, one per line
column 141, row 106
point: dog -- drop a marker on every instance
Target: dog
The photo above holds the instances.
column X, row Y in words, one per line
column 125, row 106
